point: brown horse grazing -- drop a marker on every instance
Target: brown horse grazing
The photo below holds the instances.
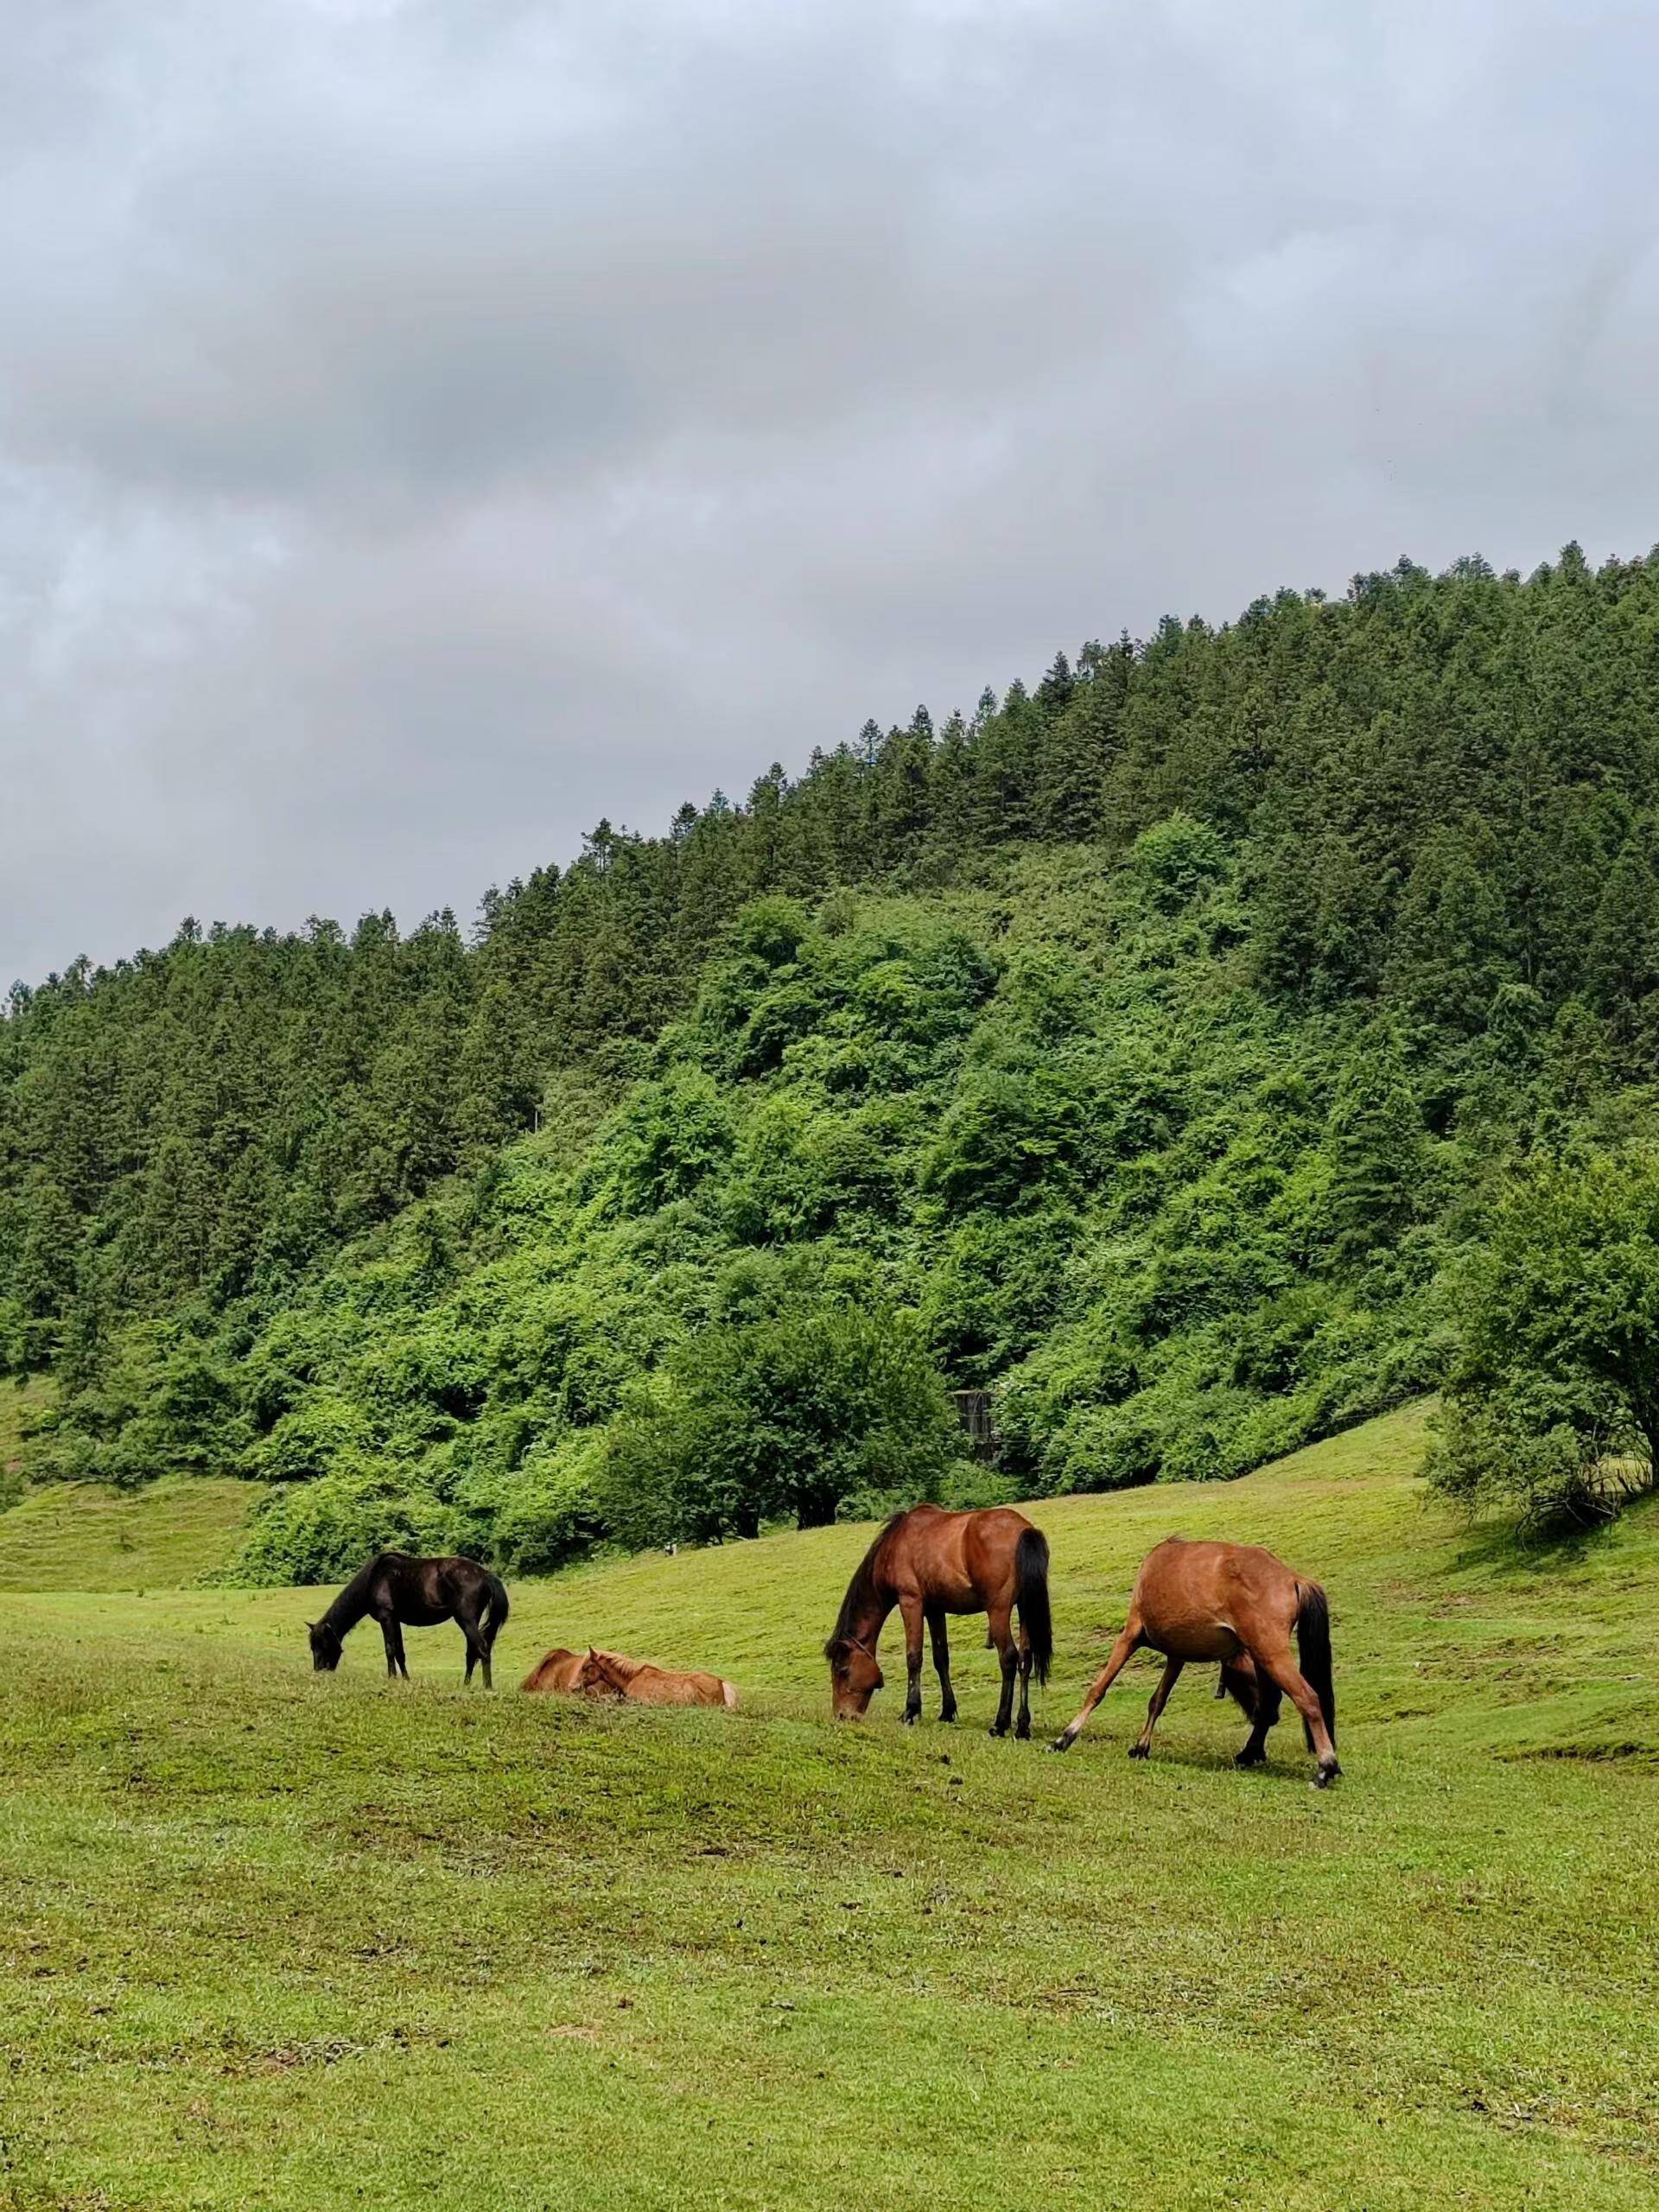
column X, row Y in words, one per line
column 929, row 1563
column 402, row 1592
column 557, row 1671
column 1237, row 1604
column 611, row 1674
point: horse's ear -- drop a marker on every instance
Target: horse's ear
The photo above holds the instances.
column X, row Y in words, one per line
column 592, row 1653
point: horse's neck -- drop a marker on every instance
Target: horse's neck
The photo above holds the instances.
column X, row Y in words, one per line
column 871, row 1618
column 350, row 1606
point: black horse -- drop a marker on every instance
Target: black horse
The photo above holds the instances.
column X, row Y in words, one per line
column 402, row 1592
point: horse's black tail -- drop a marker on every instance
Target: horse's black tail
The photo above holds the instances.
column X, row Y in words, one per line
column 1031, row 1595
column 496, row 1610
column 1314, row 1646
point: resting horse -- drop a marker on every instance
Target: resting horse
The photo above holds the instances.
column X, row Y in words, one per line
column 557, row 1670
column 929, row 1563
column 402, row 1592
column 611, row 1674
column 1239, row 1605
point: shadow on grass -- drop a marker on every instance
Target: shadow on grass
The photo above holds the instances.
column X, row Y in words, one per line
column 1516, row 1552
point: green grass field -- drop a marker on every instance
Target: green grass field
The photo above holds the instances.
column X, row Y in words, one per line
column 273, row 1939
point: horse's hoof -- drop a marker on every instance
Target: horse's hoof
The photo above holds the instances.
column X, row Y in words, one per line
column 1062, row 1743
column 994, row 1730
column 945, row 1719
column 1251, row 1758
column 1326, row 1776
column 1023, row 1732
column 1139, row 1750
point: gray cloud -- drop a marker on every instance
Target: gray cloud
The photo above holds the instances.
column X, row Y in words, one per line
column 424, row 428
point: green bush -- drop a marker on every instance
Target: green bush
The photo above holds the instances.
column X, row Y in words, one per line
column 1552, row 1405
column 785, row 1416
column 323, row 1531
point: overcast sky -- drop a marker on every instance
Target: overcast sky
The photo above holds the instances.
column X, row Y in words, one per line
column 427, row 427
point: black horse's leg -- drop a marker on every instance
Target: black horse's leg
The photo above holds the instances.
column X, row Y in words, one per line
column 1022, row 1726
column 942, row 1662
column 910, row 1610
column 478, row 1645
column 394, row 1645
column 1002, row 1638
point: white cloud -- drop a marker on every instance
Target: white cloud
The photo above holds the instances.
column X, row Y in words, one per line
column 424, row 428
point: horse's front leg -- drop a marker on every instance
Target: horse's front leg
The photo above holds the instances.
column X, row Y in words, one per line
column 1122, row 1651
column 941, row 1643
column 910, row 1609
column 1001, row 1636
column 1141, row 1747
column 393, row 1638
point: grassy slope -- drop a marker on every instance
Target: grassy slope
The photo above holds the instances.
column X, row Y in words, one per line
column 284, row 1940
column 87, row 1536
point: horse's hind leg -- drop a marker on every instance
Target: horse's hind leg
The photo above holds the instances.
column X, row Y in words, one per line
column 1284, row 1671
column 1002, row 1638
column 1022, row 1726
column 1141, row 1747
column 940, row 1641
column 1122, row 1651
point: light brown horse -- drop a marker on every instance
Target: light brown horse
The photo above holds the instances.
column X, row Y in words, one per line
column 1239, row 1605
column 557, row 1671
column 611, row 1674
column 929, row 1563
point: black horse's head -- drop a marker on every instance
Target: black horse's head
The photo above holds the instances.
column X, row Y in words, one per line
column 324, row 1647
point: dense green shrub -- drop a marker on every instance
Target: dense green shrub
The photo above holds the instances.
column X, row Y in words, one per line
column 323, row 1531
column 795, row 1413
column 1552, row 1405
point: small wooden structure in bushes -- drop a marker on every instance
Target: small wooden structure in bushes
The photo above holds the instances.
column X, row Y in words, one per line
column 974, row 1412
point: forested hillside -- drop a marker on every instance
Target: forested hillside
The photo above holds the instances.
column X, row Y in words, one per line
column 1165, row 1048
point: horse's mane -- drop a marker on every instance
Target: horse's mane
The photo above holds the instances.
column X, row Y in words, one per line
column 350, row 1603
column 862, row 1591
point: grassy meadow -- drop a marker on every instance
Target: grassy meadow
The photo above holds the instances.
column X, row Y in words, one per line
column 273, row 1939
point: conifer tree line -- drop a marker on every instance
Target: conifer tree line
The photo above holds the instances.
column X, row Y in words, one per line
column 1431, row 802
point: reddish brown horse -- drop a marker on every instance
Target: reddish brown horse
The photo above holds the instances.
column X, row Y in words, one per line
column 1238, row 1604
column 611, row 1674
column 929, row 1563
column 557, row 1670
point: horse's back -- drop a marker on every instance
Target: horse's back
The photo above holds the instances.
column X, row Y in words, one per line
column 960, row 1560
column 1205, row 1595
column 612, row 1673
column 661, row 1686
